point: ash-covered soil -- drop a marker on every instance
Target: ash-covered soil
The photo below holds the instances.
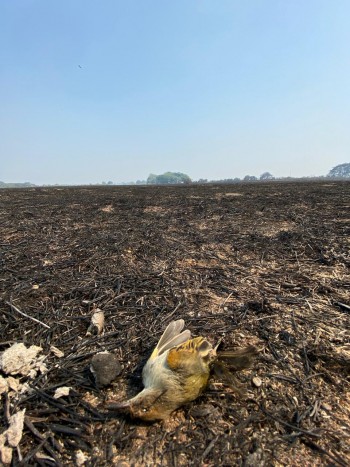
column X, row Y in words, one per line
column 262, row 264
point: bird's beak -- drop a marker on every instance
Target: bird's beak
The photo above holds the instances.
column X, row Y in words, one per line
column 115, row 405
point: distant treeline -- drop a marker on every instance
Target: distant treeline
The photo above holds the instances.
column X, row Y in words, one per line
column 16, row 185
column 339, row 172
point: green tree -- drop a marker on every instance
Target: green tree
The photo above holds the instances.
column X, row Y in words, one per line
column 266, row 176
column 250, row 178
column 152, row 179
column 168, row 178
column 340, row 171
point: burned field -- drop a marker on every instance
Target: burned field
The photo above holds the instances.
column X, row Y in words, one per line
column 261, row 264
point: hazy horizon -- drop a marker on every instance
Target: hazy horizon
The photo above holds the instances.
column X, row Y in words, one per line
column 193, row 181
column 118, row 90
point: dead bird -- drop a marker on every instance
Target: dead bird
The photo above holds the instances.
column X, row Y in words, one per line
column 178, row 371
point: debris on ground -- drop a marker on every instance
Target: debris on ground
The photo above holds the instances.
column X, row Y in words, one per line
column 12, row 436
column 97, row 323
column 18, row 359
column 264, row 264
column 62, row 391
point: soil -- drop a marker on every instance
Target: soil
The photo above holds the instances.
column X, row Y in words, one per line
column 261, row 264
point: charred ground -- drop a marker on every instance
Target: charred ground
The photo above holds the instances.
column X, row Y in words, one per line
column 262, row 264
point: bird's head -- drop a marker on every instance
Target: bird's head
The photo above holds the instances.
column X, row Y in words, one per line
column 148, row 405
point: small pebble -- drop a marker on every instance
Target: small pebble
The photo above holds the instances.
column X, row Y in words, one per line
column 257, row 381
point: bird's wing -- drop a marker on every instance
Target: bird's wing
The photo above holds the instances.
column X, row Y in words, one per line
column 172, row 336
column 192, row 353
column 229, row 361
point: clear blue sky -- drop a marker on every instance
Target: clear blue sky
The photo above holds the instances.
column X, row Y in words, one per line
column 117, row 89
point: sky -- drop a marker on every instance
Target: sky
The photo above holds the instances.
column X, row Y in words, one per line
column 117, row 89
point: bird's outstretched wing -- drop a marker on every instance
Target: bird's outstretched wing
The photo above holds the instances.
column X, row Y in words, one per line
column 172, row 336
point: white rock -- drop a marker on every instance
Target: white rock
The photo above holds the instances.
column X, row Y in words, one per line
column 63, row 391
column 18, row 359
column 80, row 458
column 13, row 383
column 57, row 352
column 32, row 373
column 5, row 451
column 25, row 388
column 257, row 381
column 15, row 430
column 3, row 385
